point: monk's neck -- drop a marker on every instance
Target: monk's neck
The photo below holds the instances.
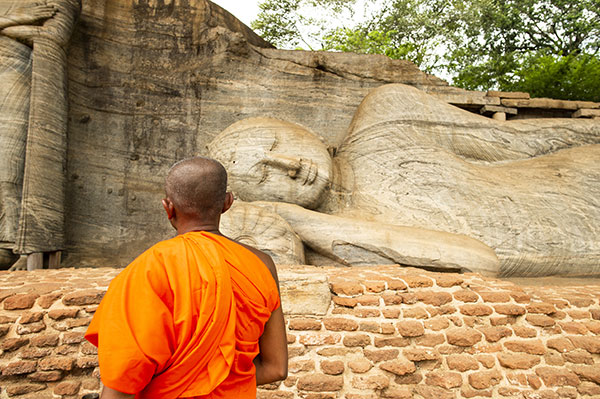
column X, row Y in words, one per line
column 194, row 225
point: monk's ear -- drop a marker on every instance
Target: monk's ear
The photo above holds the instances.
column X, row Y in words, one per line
column 228, row 202
column 169, row 208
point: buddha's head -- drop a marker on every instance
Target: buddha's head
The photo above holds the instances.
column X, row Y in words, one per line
column 268, row 159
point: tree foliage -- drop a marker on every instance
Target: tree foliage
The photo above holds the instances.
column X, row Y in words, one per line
column 290, row 23
column 545, row 47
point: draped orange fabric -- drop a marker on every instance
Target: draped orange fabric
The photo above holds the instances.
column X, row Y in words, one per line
column 183, row 320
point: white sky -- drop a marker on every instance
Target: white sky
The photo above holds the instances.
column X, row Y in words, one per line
column 244, row 10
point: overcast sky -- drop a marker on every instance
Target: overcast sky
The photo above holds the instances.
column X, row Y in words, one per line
column 244, row 10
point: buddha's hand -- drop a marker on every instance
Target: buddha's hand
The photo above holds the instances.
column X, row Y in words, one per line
column 28, row 15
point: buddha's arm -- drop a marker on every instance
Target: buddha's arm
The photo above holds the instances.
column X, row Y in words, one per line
column 23, row 33
column 27, row 16
column 359, row 242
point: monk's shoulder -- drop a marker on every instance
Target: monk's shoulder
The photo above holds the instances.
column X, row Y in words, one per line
column 157, row 256
column 169, row 247
column 265, row 258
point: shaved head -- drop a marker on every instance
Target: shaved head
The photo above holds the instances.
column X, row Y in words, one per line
column 197, row 186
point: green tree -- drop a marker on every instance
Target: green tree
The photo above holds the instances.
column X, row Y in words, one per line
column 545, row 47
column 293, row 23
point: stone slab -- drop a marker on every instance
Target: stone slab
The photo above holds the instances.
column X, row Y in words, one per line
column 586, row 113
column 508, row 94
column 490, row 109
column 304, row 293
column 548, row 103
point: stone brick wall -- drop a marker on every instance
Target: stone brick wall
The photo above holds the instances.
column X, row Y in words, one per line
column 362, row 333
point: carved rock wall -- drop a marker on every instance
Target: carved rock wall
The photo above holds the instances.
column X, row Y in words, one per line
column 384, row 332
column 152, row 82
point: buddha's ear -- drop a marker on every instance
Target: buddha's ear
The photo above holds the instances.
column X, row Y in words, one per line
column 228, row 201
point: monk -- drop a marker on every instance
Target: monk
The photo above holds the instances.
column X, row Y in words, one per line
column 196, row 316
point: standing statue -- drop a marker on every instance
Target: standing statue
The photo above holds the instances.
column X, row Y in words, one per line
column 419, row 182
column 33, row 124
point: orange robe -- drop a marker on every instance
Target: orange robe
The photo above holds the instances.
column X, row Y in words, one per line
column 183, row 320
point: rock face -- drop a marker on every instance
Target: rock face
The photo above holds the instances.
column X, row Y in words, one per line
column 153, row 82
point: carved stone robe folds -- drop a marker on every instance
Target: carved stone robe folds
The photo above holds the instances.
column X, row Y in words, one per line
column 34, row 147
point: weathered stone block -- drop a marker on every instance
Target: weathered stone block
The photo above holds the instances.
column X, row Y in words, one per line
column 370, row 382
column 485, row 379
column 396, row 393
column 518, row 361
column 67, row 388
column 381, row 355
column 46, row 376
column 541, row 307
column 495, row 334
column 59, row 314
column 23, row 388
column 45, row 301
column 360, row 366
column 31, row 317
column 466, row 296
column 431, row 392
column 34, row 353
column 415, row 313
column 553, row 377
column 462, row 363
column 463, row 336
column 430, row 340
column 318, row 339
column 86, row 362
column 332, row 367
column 85, row 297
column 20, row 301
column 304, row 294
column 589, row 388
column 354, row 340
column 345, row 287
column 589, row 343
column 410, row 328
column 476, row 310
column 11, row 344
column 340, row 324
column 45, row 340
column 320, row 383
column 534, row 347
column 589, row 372
column 510, row 309
column 421, row 354
column 19, row 367
column 31, row 328
column 434, row 298
column 398, row 367
column 391, row 341
column 414, row 281
column 56, row 363
column 444, row 379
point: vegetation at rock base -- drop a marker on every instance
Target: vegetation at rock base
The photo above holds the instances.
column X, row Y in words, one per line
column 549, row 48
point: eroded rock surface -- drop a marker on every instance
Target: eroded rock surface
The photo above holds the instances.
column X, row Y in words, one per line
column 153, row 82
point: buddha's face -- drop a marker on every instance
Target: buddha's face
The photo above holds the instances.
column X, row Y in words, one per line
column 271, row 160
